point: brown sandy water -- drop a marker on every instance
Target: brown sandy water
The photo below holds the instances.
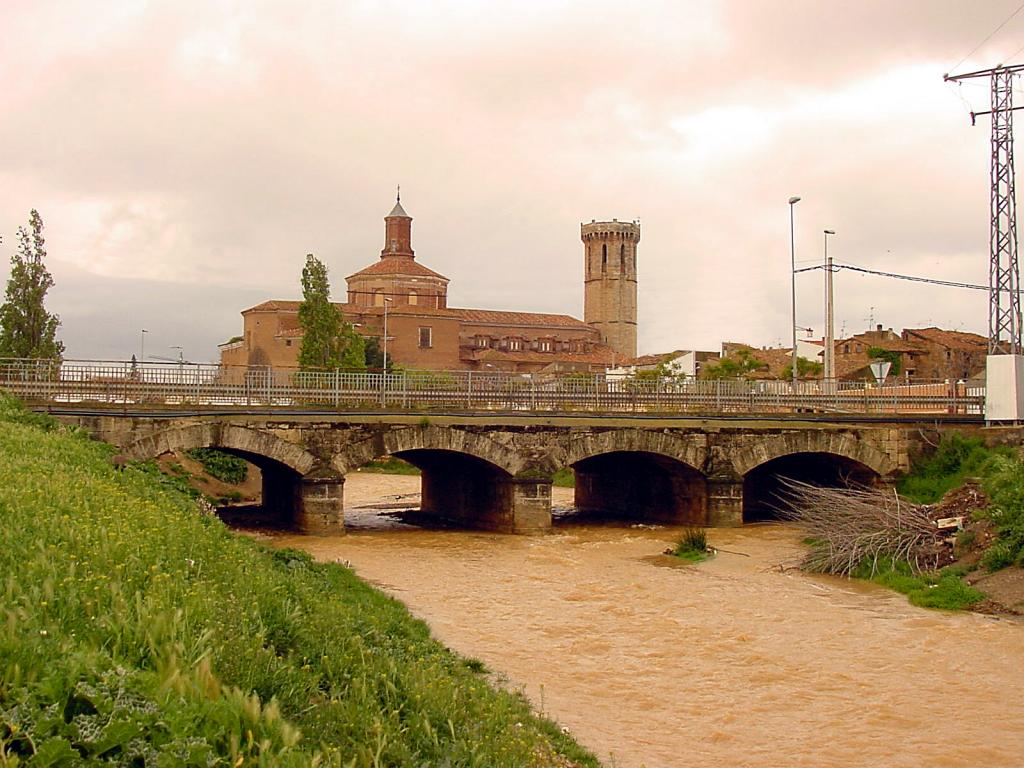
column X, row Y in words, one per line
column 732, row 662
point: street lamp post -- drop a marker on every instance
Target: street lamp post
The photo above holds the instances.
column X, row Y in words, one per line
column 384, row 355
column 829, row 372
column 792, row 278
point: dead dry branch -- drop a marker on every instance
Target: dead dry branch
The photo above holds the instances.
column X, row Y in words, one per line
column 851, row 526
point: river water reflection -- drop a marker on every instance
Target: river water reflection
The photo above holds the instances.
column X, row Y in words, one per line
column 733, row 662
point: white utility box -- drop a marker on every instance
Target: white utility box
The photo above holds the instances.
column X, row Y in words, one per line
column 1004, row 388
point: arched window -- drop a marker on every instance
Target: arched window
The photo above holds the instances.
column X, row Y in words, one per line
column 622, row 258
column 604, row 257
column 414, row 298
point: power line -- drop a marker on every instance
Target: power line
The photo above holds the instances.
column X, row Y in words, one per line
column 836, row 267
column 990, row 36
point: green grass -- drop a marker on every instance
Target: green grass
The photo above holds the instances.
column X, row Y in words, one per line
column 564, row 478
column 955, row 459
column 390, row 466
column 223, row 466
column 693, row 546
column 937, row 589
column 136, row 631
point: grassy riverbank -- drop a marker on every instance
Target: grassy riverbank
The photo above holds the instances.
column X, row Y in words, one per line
column 136, row 630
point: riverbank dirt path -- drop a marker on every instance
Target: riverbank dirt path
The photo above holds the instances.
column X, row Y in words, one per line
column 732, row 662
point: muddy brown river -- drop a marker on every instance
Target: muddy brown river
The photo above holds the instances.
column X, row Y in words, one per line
column 732, row 662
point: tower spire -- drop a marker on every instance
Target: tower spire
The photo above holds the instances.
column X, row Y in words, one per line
column 397, row 231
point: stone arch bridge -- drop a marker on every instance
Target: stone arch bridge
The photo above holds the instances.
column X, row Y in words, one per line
column 494, row 471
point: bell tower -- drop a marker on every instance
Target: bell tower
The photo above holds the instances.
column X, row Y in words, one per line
column 609, row 282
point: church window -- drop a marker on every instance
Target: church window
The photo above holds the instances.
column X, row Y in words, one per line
column 426, row 337
column 545, row 346
column 378, row 297
column 515, row 344
column 604, row 258
column 481, row 342
column 622, row 258
column 414, row 298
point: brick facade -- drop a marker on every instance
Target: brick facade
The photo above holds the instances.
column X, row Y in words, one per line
column 425, row 333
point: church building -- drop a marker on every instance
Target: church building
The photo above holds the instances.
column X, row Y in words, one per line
column 424, row 333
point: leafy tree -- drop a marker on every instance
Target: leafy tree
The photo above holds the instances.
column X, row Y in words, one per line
column 881, row 353
column 374, row 355
column 663, row 370
column 735, row 367
column 804, row 368
column 328, row 341
column 26, row 328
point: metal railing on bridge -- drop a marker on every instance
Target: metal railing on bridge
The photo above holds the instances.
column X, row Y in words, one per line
column 157, row 386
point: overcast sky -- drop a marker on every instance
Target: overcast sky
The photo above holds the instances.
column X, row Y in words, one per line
column 185, row 156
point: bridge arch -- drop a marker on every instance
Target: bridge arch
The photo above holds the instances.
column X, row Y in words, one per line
column 431, row 438
column 466, row 477
column 297, row 490
column 229, row 437
column 639, row 474
column 693, row 453
column 840, row 444
column 835, row 459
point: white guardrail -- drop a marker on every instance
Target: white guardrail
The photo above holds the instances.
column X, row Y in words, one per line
column 157, row 386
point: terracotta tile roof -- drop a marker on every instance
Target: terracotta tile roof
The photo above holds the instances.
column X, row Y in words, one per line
column 967, row 342
column 397, row 265
column 599, row 354
column 399, row 309
column 499, row 317
column 655, row 359
column 892, row 345
column 274, row 305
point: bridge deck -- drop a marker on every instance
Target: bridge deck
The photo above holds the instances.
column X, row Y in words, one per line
column 130, row 387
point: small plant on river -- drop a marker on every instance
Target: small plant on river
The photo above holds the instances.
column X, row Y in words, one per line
column 693, row 546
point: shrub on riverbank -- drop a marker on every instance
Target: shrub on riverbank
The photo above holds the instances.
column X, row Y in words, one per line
column 564, row 478
column 137, row 631
column 390, row 465
column 1001, row 473
column 955, row 459
column 1004, row 484
column 223, row 466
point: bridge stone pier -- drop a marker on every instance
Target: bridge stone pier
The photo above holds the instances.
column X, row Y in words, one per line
column 494, row 471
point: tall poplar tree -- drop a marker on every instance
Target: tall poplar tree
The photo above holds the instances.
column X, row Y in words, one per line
column 327, row 341
column 26, row 328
